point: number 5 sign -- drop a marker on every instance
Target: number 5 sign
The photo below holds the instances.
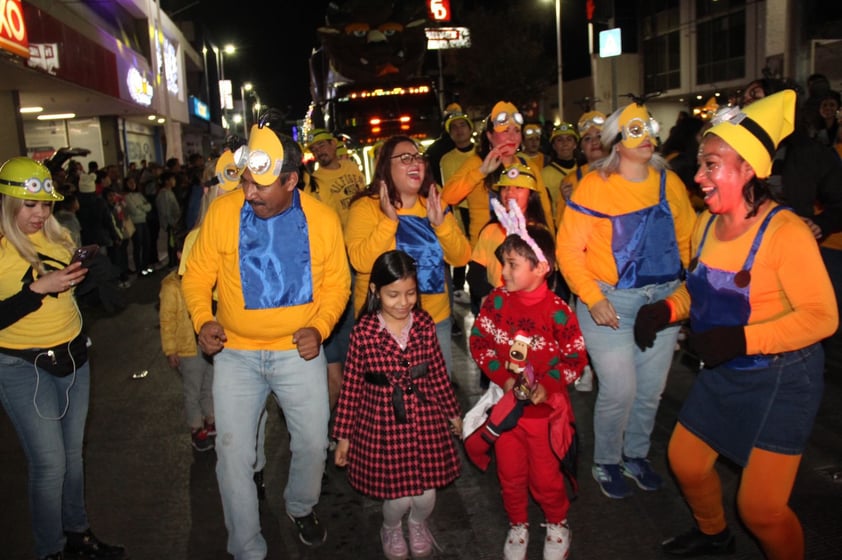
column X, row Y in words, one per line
column 439, row 10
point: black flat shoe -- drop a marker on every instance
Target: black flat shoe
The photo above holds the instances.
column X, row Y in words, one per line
column 695, row 543
column 86, row 545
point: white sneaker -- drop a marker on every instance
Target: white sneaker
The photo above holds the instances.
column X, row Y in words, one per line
column 516, row 542
column 585, row 383
column 557, row 543
column 461, row 296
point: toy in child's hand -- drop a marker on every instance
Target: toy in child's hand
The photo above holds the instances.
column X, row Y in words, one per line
column 525, row 384
column 517, row 364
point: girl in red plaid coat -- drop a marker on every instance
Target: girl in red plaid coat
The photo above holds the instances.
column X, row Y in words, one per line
column 397, row 410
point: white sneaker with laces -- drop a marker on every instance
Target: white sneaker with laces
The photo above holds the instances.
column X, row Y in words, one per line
column 557, row 543
column 516, row 542
column 585, row 383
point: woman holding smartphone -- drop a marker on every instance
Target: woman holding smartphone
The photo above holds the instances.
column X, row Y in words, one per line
column 44, row 370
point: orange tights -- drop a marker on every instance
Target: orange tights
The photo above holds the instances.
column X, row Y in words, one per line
column 762, row 497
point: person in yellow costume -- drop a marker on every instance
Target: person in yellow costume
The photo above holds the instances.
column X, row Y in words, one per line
column 499, row 141
column 563, row 162
column 759, row 301
column 623, row 241
column 591, row 148
column 531, row 152
column 402, row 209
column 271, row 252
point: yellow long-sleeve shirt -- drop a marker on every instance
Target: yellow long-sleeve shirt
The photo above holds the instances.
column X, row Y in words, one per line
column 215, row 260
column 583, row 245
column 468, row 182
column 370, row 233
column 792, row 299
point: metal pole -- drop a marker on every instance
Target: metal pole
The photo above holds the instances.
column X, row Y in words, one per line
column 558, row 55
column 245, row 120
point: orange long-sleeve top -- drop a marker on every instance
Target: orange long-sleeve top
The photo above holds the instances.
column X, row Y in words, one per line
column 792, row 300
column 468, row 183
column 583, row 245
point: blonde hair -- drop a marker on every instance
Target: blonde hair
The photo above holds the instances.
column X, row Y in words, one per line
column 53, row 231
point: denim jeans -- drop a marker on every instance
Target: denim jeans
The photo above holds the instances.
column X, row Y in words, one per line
column 50, row 429
column 630, row 380
column 242, row 381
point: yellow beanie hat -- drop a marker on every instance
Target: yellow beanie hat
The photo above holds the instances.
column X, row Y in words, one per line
column 755, row 131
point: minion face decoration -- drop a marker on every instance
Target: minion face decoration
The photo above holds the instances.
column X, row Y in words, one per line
column 517, row 175
column 263, row 156
column 589, row 120
column 24, row 178
column 227, row 173
column 636, row 125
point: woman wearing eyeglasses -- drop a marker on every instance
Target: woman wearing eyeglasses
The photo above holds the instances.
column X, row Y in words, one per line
column 402, row 209
column 623, row 242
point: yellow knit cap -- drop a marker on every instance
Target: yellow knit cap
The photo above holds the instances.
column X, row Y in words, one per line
column 755, row 131
column 504, row 114
column 590, row 119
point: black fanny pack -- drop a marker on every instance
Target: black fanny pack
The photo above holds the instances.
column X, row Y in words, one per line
column 60, row 360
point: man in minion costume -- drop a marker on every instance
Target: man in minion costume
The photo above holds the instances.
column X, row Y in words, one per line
column 460, row 128
column 563, row 141
column 282, row 286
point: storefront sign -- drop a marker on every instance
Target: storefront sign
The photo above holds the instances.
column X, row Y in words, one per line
column 448, row 38
column 43, row 56
column 13, row 28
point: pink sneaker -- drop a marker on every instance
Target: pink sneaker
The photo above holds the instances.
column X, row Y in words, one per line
column 421, row 541
column 394, row 545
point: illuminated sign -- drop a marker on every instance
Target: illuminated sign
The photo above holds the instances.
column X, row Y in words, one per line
column 226, row 97
column 139, row 87
column 438, row 10
column 380, row 92
column 44, row 56
column 13, row 36
column 610, row 43
column 448, row 38
column 167, row 55
column 199, row 109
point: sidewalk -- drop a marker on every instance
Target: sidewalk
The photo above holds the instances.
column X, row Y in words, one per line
column 148, row 489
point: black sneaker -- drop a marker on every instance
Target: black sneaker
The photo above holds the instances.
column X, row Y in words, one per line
column 695, row 543
column 86, row 545
column 310, row 531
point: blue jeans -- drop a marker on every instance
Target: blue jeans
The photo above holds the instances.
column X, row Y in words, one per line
column 51, row 438
column 242, row 381
column 631, row 381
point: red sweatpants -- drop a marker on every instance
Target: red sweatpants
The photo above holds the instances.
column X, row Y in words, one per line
column 526, row 464
column 762, row 497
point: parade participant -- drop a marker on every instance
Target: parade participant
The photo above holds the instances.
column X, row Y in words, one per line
column 460, row 128
column 271, row 253
column 402, row 209
column 563, row 143
column 517, row 183
column 549, row 356
column 591, row 148
column 45, row 376
column 335, row 182
column 531, row 152
column 395, row 406
column 760, row 301
column 499, row 141
column 623, row 242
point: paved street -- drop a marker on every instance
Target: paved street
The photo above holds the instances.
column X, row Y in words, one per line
column 149, row 490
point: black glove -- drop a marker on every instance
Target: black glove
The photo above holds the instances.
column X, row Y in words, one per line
column 651, row 318
column 718, row 345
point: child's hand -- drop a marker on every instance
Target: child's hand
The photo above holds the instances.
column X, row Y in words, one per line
column 340, row 454
column 508, row 384
column 456, row 426
column 539, row 394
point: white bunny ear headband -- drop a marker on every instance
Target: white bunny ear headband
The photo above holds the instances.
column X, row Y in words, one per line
column 515, row 224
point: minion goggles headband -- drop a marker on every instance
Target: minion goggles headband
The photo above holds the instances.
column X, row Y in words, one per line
column 32, row 185
column 737, row 117
column 638, row 128
column 504, row 118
